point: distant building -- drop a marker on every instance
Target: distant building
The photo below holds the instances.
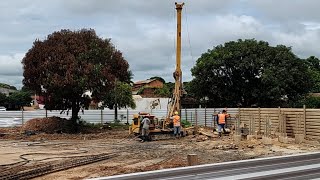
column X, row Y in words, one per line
column 146, row 88
column 7, row 91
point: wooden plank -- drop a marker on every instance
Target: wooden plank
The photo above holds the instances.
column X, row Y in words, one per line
column 249, row 109
column 313, row 130
column 312, row 126
column 294, row 115
column 273, row 113
column 313, row 119
column 291, row 110
column 269, row 109
column 313, row 113
column 313, row 135
column 313, row 116
column 314, row 123
column 313, row 110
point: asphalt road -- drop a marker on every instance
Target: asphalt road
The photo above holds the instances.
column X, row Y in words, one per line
column 293, row 167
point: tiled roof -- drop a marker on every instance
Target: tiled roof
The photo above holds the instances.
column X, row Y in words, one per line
column 144, row 81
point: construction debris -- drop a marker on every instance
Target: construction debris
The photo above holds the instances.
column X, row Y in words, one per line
column 226, row 147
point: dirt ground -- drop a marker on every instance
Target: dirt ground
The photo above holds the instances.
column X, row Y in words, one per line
column 131, row 154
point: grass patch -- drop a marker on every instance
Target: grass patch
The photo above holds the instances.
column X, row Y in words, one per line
column 186, row 123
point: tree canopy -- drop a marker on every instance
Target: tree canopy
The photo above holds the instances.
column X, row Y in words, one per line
column 3, row 99
column 7, row 86
column 18, row 99
column 250, row 73
column 313, row 64
column 69, row 63
column 119, row 97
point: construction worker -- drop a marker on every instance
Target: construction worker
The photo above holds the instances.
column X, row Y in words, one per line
column 176, row 124
column 222, row 121
column 215, row 120
column 145, row 128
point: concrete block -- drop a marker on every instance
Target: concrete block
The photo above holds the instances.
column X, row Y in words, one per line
column 192, row 159
column 283, row 139
column 237, row 138
column 266, row 140
column 251, row 137
column 299, row 138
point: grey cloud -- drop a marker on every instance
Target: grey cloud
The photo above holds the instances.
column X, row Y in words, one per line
column 284, row 10
column 145, row 30
column 11, row 65
column 12, row 80
column 147, row 9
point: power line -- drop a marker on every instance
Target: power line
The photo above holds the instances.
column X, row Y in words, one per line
column 188, row 35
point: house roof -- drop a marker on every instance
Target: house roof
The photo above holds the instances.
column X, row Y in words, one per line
column 145, row 81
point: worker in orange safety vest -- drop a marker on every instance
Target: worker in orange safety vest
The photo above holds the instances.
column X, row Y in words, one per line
column 176, row 124
column 222, row 121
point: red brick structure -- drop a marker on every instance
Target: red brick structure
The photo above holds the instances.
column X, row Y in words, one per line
column 146, row 87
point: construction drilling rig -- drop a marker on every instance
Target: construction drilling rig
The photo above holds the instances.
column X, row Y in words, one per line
column 158, row 127
column 175, row 103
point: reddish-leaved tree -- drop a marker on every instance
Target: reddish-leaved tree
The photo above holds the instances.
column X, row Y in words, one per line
column 69, row 63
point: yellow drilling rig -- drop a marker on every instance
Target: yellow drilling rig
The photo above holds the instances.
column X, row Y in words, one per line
column 165, row 126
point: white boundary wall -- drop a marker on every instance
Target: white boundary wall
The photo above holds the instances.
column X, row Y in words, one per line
column 202, row 115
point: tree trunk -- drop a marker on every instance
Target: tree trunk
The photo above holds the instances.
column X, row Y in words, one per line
column 74, row 117
column 116, row 113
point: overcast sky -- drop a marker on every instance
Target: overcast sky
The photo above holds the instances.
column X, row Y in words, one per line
column 145, row 30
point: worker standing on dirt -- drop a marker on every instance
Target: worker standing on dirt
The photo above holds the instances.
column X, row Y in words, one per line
column 145, row 128
column 222, row 121
column 215, row 120
column 176, row 124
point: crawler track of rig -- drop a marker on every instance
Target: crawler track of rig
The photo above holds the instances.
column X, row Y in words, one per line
column 27, row 172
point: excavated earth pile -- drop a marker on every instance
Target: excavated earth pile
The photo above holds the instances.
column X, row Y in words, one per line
column 47, row 125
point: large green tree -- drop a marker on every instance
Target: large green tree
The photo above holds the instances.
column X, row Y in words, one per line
column 67, row 64
column 2, row 85
column 3, row 99
column 119, row 97
column 313, row 64
column 249, row 72
column 18, row 99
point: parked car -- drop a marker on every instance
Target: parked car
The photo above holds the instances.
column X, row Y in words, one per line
column 2, row 108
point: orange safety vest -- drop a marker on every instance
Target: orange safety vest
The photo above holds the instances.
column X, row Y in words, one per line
column 176, row 120
column 222, row 118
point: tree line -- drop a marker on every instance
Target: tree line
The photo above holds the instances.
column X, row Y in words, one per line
column 251, row 73
column 242, row 73
column 16, row 100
